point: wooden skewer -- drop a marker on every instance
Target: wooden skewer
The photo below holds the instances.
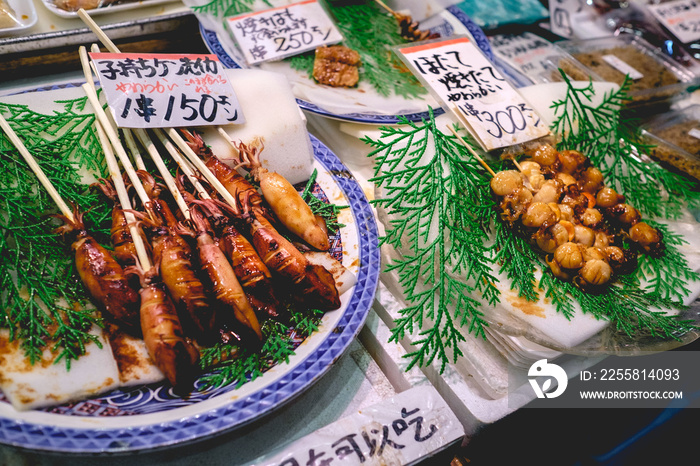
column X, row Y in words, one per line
column 147, row 143
column 471, row 151
column 184, row 165
column 133, row 148
column 143, row 258
column 116, row 143
column 115, row 174
column 201, row 166
column 386, row 7
column 43, row 179
column 225, row 135
column 97, row 30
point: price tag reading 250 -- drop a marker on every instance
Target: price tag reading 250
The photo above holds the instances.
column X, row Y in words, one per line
column 465, row 80
column 283, row 31
column 166, row 91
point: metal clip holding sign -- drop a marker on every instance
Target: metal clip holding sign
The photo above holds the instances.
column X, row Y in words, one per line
column 467, row 83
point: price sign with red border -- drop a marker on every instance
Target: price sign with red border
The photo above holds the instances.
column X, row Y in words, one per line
column 469, row 84
column 167, row 90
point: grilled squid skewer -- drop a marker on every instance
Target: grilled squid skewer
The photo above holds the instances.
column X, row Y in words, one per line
column 285, row 201
column 222, row 280
column 101, row 274
column 163, row 335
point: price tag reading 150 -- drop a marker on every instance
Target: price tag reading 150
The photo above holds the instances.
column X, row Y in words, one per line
column 167, row 90
column 466, row 81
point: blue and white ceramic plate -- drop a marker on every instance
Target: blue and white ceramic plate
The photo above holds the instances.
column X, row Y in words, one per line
column 152, row 417
column 363, row 104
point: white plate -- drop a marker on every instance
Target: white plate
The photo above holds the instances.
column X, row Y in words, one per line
column 25, row 14
column 115, row 8
column 363, row 104
column 152, row 417
column 583, row 334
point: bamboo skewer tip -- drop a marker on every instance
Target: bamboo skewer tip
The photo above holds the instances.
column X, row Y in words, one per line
column 471, row 151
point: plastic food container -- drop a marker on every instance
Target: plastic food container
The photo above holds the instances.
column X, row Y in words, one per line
column 656, row 78
column 677, row 139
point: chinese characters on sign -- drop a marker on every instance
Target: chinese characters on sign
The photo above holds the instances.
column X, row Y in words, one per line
column 284, row 31
column 165, row 91
column 681, row 17
column 468, row 83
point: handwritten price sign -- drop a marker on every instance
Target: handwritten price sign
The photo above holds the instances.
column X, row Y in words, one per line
column 526, row 52
column 404, row 429
column 167, row 91
column 283, row 31
column 465, row 80
column 681, row 17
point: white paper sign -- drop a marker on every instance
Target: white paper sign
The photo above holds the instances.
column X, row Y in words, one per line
column 461, row 76
column 527, row 52
column 410, row 426
column 681, row 17
column 167, row 90
column 561, row 16
column 283, row 31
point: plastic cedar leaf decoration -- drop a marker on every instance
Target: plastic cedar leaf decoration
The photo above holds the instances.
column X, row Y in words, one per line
column 440, row 208
column 597, row 132
column 225, row 364
column 366, row 28
column 40, row 287
column 441, row 217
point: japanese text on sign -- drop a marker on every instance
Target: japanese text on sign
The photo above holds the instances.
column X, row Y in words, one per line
column 370, row 442
column 681, row 17
column 284, row 31
column 562, row 15
column 526, row 52
column 164, row 91
column 412, row 425
column 466, row 81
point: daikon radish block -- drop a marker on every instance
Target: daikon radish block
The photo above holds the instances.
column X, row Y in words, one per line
column 44, row 384
column 135, row 365
column 271, row 116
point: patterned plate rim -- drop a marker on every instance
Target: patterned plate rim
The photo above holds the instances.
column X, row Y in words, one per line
column 211, row 40
column 236, row 414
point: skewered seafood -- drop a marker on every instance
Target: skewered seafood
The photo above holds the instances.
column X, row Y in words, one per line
column 174, row 256
column 285, row 201
column 162, row 331
column 101, row 274
column 573, row 217
column 222, row 280
column 313, row 284
column 123, row 243
column 251, row 271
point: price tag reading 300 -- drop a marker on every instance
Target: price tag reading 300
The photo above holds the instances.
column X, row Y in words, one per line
column 464, row 79
column 166, row 91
